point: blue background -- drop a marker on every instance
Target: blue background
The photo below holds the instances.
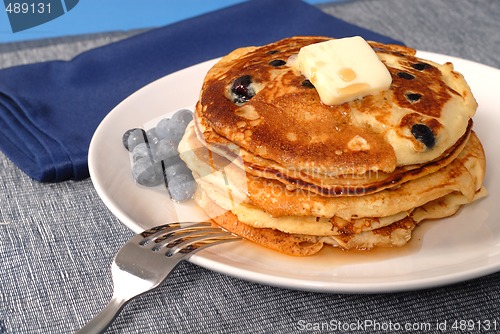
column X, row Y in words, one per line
column 94, row 16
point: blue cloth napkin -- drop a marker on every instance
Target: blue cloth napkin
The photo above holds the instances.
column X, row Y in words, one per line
column 49, row 111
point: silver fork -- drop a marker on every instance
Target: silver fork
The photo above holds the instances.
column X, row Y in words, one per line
column 147, row 259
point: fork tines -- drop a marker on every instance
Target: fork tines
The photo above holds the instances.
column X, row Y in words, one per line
column 185, row 237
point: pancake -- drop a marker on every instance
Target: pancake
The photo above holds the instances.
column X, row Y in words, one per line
column 326, row 185
column 230, row 186
column 280, row 168
column 397, row 234
column 371, row 134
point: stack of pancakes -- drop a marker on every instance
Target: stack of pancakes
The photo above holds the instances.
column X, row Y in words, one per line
column 278, row 167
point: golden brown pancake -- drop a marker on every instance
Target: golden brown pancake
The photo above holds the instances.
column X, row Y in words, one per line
column 280, row 168
column 265, row 211
column 395, row 235
column 326, row 185
column 423, row 114
column 464, row 175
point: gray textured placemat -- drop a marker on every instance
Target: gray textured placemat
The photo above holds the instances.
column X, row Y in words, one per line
column 57, row 240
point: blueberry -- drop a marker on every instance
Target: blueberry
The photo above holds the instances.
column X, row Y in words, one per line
column 424, row 134
column 180, row 181
column 242, row 90
column 147, row 173
column 413, row 97
column 165, row 150
column 175, row 169
column 140, row 151
column 308, row 84
column 170, row 129
column 152, row 137
column 132, row 137
column 420, row 66
column 183, row 115
column 406, row 76
column 181, row 187
column 277, row 62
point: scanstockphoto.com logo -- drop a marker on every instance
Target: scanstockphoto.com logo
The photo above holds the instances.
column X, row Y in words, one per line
column 26, row 14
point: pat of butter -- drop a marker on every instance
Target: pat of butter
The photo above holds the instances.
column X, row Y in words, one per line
column 343, row 70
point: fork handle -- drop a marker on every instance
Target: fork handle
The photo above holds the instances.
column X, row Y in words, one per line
column 103, row 319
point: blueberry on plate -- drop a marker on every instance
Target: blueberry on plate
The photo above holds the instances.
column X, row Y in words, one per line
column 140, row 151
column 183, row 115
column 181, row 187
column 175, row 169
column 170, row 129
column 132, row 137
column 165, row 150
column 147, row 173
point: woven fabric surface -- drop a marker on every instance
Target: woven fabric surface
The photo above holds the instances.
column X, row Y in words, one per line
column 57, row 240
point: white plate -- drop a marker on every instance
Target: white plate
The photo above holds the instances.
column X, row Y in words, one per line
column 442, row 252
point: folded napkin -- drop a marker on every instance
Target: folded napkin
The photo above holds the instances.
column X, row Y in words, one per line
column 49, row 111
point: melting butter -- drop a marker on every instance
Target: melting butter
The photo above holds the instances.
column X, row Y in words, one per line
column 343, row 70
column 347, row 74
